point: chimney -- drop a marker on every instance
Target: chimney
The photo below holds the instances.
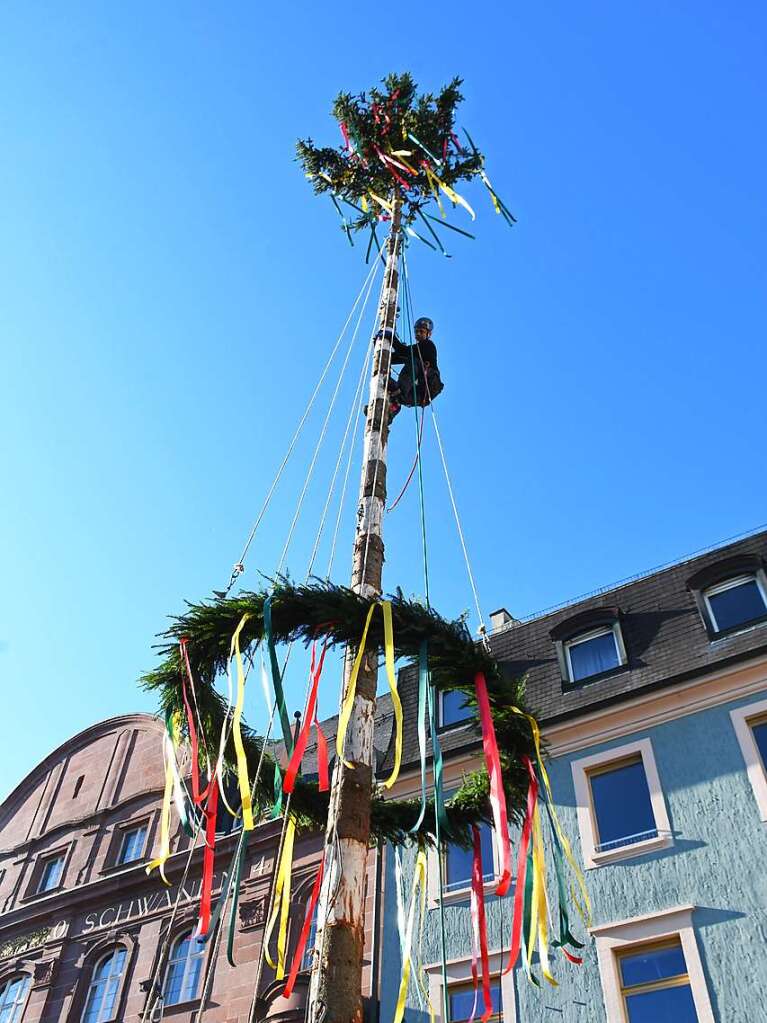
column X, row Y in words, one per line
column 501, row 619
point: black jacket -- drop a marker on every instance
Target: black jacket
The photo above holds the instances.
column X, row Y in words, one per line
column 425, row 351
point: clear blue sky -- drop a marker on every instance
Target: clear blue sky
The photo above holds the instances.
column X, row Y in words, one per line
column 169, row 289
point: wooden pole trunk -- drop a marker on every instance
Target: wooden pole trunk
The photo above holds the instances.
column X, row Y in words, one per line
column 335, row 994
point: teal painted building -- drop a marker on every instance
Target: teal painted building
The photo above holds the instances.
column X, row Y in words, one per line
column 652, row 696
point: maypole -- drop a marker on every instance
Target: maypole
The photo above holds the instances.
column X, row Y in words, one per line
column 399, row 164
column 335, row 992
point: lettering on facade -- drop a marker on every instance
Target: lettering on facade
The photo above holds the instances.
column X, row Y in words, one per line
column 157, row 901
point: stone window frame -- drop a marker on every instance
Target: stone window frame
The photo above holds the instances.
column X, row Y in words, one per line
column 9, row 973
column 85, row 967
column 578, row 627
column 111, row 859
column 181, row 929
column 742, row 719
column 41, row 858
column 587, row 827
column 459, row 972
column 741, row 565
column 612, row 939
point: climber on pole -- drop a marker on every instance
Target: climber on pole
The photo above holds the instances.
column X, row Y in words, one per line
column 421, row 358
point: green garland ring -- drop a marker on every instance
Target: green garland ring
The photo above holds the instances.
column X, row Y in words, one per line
column 303, row 612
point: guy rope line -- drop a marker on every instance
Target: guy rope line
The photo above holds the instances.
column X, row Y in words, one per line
column 323, row 431
column 457, row 517
column 239, row 566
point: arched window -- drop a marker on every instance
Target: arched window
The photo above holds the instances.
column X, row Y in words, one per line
column 101, row 1000
column 184, row 968
column 13, row 994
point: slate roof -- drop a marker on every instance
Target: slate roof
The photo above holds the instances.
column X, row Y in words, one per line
column 665, row 638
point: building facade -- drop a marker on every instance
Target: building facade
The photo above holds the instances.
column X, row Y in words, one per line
column 652, row 697
column 653, row 700
column 86, row 935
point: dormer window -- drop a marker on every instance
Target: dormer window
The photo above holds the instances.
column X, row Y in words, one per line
column 736, row 602
column 590, row 645
column 731, row 594
column 592, row 653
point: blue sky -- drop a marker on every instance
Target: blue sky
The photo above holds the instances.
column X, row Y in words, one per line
column 170, row 288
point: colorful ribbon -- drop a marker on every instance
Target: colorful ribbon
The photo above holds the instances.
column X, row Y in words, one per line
column 524, row 845
column 419, row 880
column 206, row 888
column 298, row 955
column 279, row 693
column 351, row 689
column 197, row 795
column 281, row 904
column 310, row 716
column 585, row 909
column 396, row 702
column 423, row 681
column 497, row 794
column 436, row 751
column 479, row 923
column 242, row 761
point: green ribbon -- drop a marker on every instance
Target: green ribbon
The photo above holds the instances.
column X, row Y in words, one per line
column 428, row 152
column 436, row 749
column 184, row 815
column 423, row 679
column 279, row 693
column 565, row 934
column 451, row 227
column 277, row 808
column 434, row 235
column 527, row 915
column 239, row 856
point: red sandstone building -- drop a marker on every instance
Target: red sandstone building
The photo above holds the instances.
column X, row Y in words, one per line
column 86, row 936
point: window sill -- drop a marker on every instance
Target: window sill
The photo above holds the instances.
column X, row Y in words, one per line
column 462, row 894
column 189, row 1006
column 456, row 726
column 737, row 630
column 569, row 687
column 629, row 852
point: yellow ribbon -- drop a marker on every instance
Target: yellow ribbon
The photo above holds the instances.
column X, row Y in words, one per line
column 396, row 702
column 382, row 202
column 167, row 801
column 346, row 709
column 419, row 966
column 451, row 193
column 585, row 914
column 242, row 762
column 364, row 204
column 418, row 880
column 281, row 904
column 539, row 886
column 434, row 184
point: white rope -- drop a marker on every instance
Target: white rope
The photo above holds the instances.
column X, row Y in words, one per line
column 345, row 485
column 240, row 565
column 356, row 402
column 323, row 431
column 456, row 516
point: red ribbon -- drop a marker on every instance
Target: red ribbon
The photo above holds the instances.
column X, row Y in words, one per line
column 196, row 794
column 568, row 955
column 497, row 795
column 206, row 890
column 323, row 771
column 516, row 930
column 303, row 936
column 310, row 716
column 345, row 134
column 479, row 922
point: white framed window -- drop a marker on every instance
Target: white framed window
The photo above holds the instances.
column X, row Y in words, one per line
column 132, row 844
column 451, row 709
column 103, row 990
column 182, row 981
column 460, row 993
column 50, row 875
column 307, row 962
column 650, row 969
column 750, row 724
column 13, row 995
column 594, row 652
column 620, row 804
column 457, row 866
column 735, row 603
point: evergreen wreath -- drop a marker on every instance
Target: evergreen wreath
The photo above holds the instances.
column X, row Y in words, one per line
column 306, row 612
